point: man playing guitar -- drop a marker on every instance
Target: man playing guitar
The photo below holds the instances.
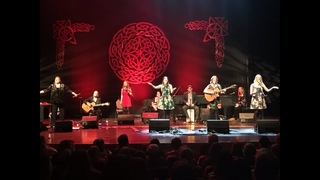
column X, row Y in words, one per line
column 94, row 111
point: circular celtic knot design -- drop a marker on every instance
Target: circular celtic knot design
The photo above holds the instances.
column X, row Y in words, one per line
column 139, row 53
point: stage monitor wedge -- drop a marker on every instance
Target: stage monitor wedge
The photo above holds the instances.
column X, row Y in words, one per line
column 89, row 122
column 125, row 119
column 159, row 125
column 267, row 126
column 63, row 126
column 218, row 126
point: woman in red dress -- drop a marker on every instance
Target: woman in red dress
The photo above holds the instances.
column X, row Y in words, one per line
column 126, row 94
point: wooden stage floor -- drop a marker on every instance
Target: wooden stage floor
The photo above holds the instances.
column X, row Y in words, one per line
column 139, row 134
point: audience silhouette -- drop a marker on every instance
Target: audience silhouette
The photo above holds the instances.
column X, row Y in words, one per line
column 240, row 161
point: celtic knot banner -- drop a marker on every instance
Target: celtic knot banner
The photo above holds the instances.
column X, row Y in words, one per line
column 139, row 53
column 64, row 31
column 215, row 29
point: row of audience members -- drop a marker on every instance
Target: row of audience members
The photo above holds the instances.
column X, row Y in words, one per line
column 241, row 162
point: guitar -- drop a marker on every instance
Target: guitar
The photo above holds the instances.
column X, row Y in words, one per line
column 211, row 96
column 86, row 108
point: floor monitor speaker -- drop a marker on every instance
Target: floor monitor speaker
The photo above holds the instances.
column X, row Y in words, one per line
column 218, row 126
column 125, row 119
column 159, row 125
column 267, row 126
column 89, row 122
column 63, row 126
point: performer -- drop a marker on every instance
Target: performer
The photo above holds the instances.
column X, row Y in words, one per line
column 166, row 100
column 212, row 93
column 125, row 98
column 156, row 102
column 190, row 101
column 94, row 110
column 258, row 98
column 57, row 98
column 241, row 102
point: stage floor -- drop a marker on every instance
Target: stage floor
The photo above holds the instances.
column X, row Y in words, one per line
column 138, row 132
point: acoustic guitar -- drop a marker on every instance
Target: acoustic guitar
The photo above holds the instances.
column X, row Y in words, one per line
column 216, row 93
column 87, row 108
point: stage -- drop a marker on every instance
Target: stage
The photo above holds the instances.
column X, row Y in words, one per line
column 140, row 134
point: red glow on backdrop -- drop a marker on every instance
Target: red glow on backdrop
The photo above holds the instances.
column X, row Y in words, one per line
column 215, row 29
column 64, row 31
column 139, row 53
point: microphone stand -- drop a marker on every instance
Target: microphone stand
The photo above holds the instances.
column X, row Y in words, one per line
column 80, row 103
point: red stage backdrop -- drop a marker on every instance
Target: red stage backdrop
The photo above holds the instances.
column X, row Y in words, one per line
column 96, row 45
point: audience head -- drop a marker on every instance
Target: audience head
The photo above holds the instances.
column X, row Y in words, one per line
column 275, row 148
column 140, row 154
column 264, row 142
column 237, row 149
column 155, row 141
column 125, row 150
column 123, row 140
column 214, row 151
column 223, row 164
column 186, row 153
column 99, row 142
column 266, row 166
column 176, row 142
column 249, row 150
column 213, row 138
column 93, row 152
column 182, row 169
column 80, row 161
column 66, row 144
column 152, row 150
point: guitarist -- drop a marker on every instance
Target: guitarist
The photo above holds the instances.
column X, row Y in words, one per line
column 95, row 110
column 214, row 89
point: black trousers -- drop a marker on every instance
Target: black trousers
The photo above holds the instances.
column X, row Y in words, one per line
column 96, row 112
column 214, row 114
column 165, row 114
column 258, row 114
column 54, row 112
